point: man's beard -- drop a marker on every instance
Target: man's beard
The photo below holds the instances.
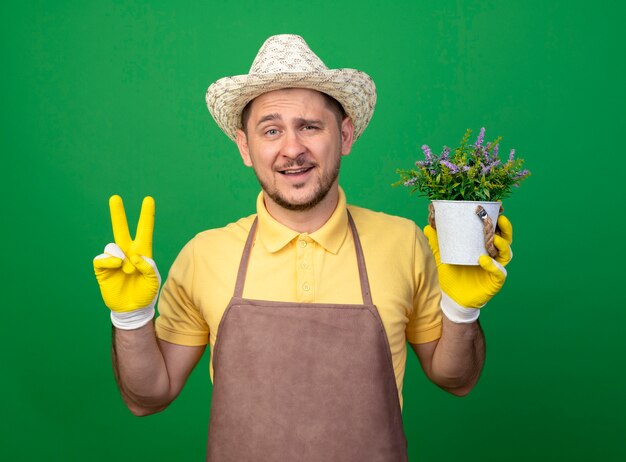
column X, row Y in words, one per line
column 325, row 184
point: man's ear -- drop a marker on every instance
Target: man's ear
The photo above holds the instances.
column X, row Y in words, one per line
column 347, row 136
column 244, row 151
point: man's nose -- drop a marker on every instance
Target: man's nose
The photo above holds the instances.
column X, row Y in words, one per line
column 292, row 145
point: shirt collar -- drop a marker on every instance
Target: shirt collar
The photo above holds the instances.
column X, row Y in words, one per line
column 275, row 235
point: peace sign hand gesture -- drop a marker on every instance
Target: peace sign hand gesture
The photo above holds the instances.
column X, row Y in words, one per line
column 128, row 277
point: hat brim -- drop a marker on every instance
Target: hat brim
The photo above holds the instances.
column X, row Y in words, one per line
column 353, row 89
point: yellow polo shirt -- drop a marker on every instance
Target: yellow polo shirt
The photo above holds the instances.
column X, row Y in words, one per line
column 318, row 267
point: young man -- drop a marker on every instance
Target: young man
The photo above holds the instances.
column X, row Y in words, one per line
column 308, row 304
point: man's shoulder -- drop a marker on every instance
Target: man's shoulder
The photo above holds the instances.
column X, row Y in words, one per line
column 385, row 237
column 371, row 220
column 232, row 234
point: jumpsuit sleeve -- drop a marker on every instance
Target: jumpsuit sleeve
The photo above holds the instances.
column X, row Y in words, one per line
column 180, row 321
column 425, row 320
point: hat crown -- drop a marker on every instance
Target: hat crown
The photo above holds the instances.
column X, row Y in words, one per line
column 286, row 53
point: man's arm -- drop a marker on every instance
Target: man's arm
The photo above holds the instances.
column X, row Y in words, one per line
column 454, row 361
column 150, row 373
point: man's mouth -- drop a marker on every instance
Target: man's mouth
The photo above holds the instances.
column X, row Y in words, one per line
column 295, row 171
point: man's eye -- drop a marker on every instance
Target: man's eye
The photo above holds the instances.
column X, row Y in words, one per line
column 310, row 127
column 271, row 132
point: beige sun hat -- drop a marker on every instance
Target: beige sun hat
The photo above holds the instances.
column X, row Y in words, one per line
column 286, row 61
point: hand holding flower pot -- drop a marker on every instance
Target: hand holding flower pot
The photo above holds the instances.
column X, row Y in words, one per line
column 466, row 188
column 473, row 286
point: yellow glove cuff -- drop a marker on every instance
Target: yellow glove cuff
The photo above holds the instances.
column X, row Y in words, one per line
column 128, row 320
column 457, row 313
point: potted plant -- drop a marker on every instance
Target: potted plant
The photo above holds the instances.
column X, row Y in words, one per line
column 466, row 186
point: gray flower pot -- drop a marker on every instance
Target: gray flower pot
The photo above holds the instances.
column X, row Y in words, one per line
column 460, row 230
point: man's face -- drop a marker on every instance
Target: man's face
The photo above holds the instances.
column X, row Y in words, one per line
column 294, row 143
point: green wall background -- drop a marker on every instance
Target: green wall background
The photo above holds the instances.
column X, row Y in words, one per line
column 104, row 97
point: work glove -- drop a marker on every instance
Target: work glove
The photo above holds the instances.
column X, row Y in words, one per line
column 467, row 288
column 128, row 277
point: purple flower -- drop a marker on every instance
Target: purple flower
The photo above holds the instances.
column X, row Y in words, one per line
column 485, row 152
column 445, row 154
column 521, row 174
column 481, row 137
column 465, row 168
column 410, row 182
column 495, row 150
column 487, row 168
column 427, row 152
column 512, row 155
column 453, row 168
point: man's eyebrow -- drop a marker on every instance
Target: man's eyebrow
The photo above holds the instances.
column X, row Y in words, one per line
column 269, row 117
column 303, row 121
